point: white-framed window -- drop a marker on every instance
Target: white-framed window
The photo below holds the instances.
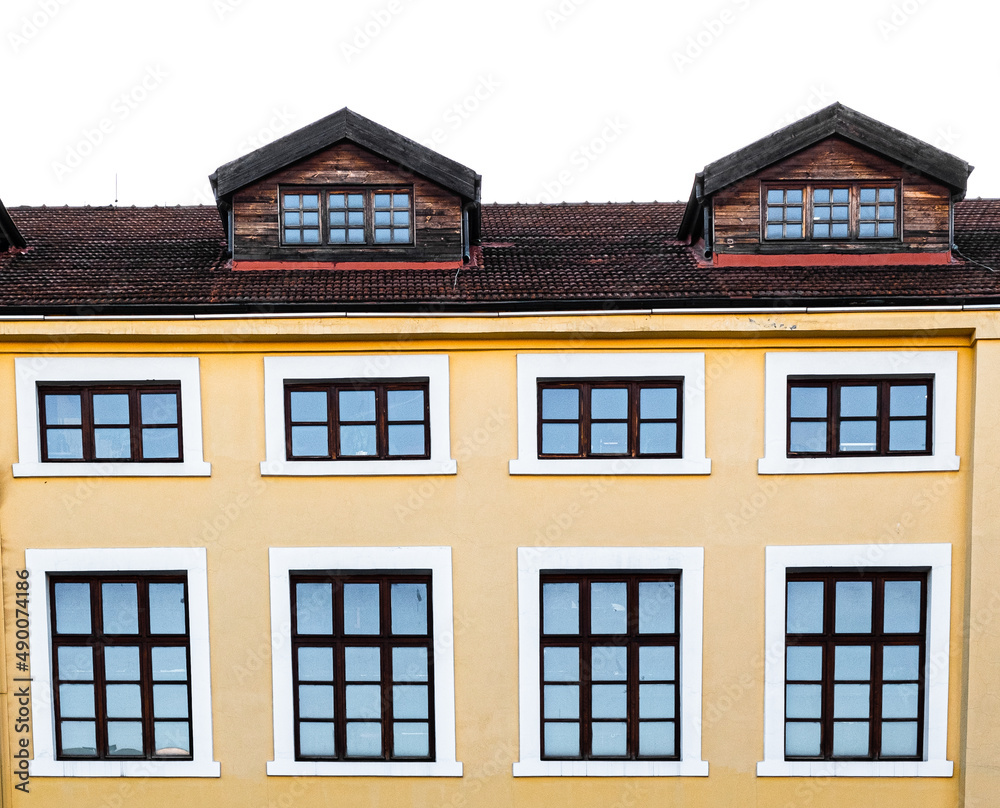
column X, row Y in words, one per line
column 781, row 368
column 338, row 373
column 534, row 565
column 290, row 564
column 676, row 426
column 93, row 374
column 126, row 563
column 933, row 560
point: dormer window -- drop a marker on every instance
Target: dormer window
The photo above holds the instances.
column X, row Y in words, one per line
column 347, row 216
column 831, row 212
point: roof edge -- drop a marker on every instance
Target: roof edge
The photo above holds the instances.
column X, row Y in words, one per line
column 10, row 236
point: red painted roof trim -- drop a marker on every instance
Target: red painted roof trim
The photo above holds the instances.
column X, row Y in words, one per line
column 250, row 266
column 832, row 259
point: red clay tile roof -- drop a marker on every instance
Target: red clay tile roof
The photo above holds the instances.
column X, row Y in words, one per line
column 583, row 256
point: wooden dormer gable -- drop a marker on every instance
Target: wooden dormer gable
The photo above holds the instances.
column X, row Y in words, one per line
column 347, row 192
column 836, row 186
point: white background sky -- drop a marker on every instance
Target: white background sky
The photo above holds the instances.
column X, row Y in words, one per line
column 550, row 100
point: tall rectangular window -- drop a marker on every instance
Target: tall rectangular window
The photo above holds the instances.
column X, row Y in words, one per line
column 121, row 667
column 362, row 666
column 609, row 666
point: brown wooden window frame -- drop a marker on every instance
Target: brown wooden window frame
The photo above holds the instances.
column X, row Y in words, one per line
column 382, row 423
column 634, row 419
column 877, row 639
column 632, row 640
column 98, row 640
column 368, row 193
column 883, row 416
column 339, row 640
column 808, row 189
column 87, row 426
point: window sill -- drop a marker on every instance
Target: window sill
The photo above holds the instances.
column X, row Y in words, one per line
column 856, row 465
column 611, row 768
column 619, row 465
column 855, row 768
column 125, row 768
column 196, row 468
column 303, row 768
column 356, row 468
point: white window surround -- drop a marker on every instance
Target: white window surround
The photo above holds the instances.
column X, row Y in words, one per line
column 690, row 366
column 936, row 558
column 283, row 561
column 778, row 366
column 191, row 560
column 32, row 371
column 531, row 561
column 279, row 369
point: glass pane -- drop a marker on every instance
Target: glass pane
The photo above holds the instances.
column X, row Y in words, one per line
column 656, row 607
column 172, row 737
column 808, row 402
column 561, row 403
column 560, row 439
column 78, row 737
column 308, row 405
column 775, row 196
column 821, row 231
column 409, row 608
column 406, row 439
column 908, row 399
column 902, row 607
column 775, row 231
column 805, row 607
column 840, row 194
column 657, row 438
column 121, row 608
column 886, row 212
column 409, row 664
column 839, row 213
column 78, row 663
column 851, row 701
column 850, row 738
column 609, row 701
column 609, row 402
column 609, row 438
column 316, row 739
column 383, row 218
column 169, row 663
column 411, row 739
column 293, row 236
column 608, row 608
column 857, row 436
column 807, row 437
column 356, row 236
column 401, row 218
column 310, row 236
column 866, row 230
column 383, row 236
column 821, row 195
column 899, row 701
column 73, row 608
column 608, row 739
column 357, row 405
column 899, row 739
column 110, row 408
column 562, row 701
column 561, row 608
column 338, row 200
column 124, row 701
column 76, row 701
column 409, row 701
column 852, row 662
column 383, row 201
column 802, row 739
column 310, row 201
column 840, row 231
column 362, row 664
column 338, row 236
column 793, row 197
column 793, row 215
column 907, row 436
column 858, row 401
column 364, row 701
column 867, row 212
column 361, row 606
column 364, row 739
column 868, row 195
column 803, row 701
column 900, row 662
column 166, row 609
column 311, row 219
column 121, row 662
column 561, row 664
column 316, row 664
column 124, row 738
column 160, row 444
column 357, row 441
column 310, row 441
column 607, row 663
column 405, row 405
column 886, row 230
column 401, row 234
column 356, row 218
column 64, row 444
column 656, row 738
column 656, row 701
column 112, row 444
column 804, row 663
column 562, row 740
column 658, row 402
column 170, row 701
column 315, row 701
column 853, row 607
column 314, row 608
column 338, row 218
column 887, row 194
column 656, row 662
column 63, row 409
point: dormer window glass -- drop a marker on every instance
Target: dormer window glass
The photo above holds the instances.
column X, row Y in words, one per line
column 392, row 218
column 347, row 217
column 842, row 211
column 877, row 213
column 784, row 213
column 300, row 218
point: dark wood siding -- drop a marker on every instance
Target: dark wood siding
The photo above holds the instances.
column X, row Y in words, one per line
column 926, row 204
column 437, row 212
